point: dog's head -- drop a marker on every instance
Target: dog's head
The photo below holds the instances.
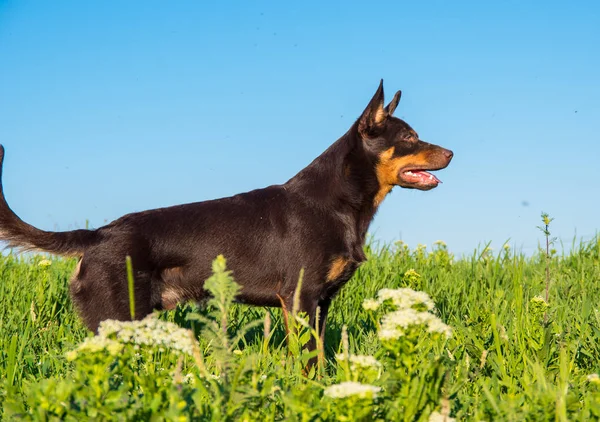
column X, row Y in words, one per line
column 402, row 158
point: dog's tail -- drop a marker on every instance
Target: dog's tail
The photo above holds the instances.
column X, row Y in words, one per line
column 18, row 234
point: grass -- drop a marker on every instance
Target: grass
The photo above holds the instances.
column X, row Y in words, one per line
column 513, row 355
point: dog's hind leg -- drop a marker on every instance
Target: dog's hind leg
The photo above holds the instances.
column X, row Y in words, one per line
column 321, row 324
column 100, row 291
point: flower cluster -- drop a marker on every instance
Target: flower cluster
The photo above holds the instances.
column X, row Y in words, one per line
column 114, row 335
column 371, row 304
column 44, row 263
column 94, row 345
column 402, row 298
column 538, row 307
column 438, row 417
column 351, row 389
column 148, row 332
column 397, row 323
column 538, row 301
column 593, row 379
column 412, row 309
column 412, row 273
column 359, row 361
column 412, row 277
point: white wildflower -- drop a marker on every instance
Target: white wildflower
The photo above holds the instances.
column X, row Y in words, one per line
column 96, row 344
column 370, row 304
column 439, row 243
column 412, row 309
column 405, row 298
column 403, row 319
column 359, row 361
column 593, row 379
column 437, row 326
column 148, row 332
column 351, row 389
column 389, row 334
column 438, row 417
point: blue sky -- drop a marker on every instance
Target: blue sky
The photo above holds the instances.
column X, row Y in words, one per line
column 112, row 107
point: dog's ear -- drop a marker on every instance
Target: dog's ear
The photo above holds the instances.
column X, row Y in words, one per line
column 391, row 107
column 373, row 115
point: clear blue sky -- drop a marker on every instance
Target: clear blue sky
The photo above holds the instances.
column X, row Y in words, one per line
column 112, row 107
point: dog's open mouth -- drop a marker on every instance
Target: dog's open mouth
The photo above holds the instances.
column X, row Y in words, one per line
column 419, row 179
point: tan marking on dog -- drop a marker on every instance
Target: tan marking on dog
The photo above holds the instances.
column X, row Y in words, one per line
column 170, row 297
column 77, row 269
column 173, row 274
column 347, row 170
column 172, row 293
column 380, row 115
column 337, row 268
column 74, row 282
column 388, row 170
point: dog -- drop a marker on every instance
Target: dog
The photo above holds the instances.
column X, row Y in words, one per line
column 316, row 221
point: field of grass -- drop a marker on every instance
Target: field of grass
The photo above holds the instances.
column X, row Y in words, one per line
column 512, row 355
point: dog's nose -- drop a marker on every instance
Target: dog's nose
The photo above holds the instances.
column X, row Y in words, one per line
column 449, row 154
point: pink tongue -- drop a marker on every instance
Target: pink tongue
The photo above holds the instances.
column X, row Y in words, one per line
column 426, row 177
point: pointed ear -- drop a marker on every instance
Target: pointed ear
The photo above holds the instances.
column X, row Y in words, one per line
column 374, row 114
column 391, row 107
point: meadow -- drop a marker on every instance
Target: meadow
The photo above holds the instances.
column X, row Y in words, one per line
column 415, row 335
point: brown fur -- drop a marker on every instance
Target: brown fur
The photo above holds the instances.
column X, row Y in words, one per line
column 337, row 268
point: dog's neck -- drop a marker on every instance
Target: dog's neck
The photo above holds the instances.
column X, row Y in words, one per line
column 342, row 179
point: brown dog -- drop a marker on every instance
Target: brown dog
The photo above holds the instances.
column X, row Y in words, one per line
column 317, row 221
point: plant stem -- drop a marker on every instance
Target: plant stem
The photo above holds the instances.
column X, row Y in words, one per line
column 130, row 285
column 547, row 270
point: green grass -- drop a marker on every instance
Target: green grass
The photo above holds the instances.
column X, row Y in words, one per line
column 505, row 360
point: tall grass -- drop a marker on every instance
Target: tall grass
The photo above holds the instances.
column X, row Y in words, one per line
column 504, row 361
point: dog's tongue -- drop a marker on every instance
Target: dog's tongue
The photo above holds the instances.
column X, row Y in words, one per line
column 424, row 176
